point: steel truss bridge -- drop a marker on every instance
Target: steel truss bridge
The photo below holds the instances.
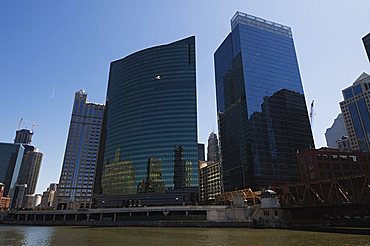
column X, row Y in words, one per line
column 349, row 190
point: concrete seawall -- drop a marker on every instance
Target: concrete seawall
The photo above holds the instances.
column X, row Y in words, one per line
column 184, row 216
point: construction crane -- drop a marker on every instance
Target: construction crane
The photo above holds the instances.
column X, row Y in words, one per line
column 20, row 123
column 26, row 122
column 312, row 113
column 34, row 125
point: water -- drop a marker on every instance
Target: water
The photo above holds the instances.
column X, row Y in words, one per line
column 66, row 236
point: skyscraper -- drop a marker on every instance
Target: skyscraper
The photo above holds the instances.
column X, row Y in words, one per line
column 151, row 113
column 77, row 177
column 30, row 170
column 355, row 109
column 19, row 167
column 213, row 154
column 336, row 132
column 201, row 152
column 261, row 107
column 11, row 156
column 366, row 41
column 23, row 136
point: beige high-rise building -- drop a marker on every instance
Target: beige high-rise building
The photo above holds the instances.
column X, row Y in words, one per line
column 209, row 181
column 49, row 198
column 356, row 113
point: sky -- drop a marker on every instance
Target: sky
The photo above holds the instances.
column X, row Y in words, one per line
column 50, row 49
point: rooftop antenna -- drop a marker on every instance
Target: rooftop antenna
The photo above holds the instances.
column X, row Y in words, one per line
column 27, row 123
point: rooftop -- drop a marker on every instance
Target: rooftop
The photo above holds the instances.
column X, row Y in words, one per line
column 250, row 20
column 362, row 77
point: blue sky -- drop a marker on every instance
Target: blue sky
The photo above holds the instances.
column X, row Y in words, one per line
column 68, row 45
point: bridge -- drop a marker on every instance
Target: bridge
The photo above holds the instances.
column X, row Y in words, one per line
column 348, row 190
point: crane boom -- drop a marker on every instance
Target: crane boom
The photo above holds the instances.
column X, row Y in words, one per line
column 311, row 112
column 20, row 123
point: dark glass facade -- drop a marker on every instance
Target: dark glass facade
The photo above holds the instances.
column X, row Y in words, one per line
column 30, row 170
column 366, row 41
column 151, row 117
column 11, row 156
column 262, row 112
column 201, row 152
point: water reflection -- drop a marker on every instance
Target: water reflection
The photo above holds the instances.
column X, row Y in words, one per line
column 44, row 236
column 26, row 235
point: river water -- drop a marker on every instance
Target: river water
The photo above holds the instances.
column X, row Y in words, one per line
column 66, row 236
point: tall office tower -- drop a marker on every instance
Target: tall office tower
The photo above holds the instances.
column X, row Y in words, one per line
column 201, row 152
column 355, row 109
column 30, row 169
column 11, row 156
column 151, row 112
column 23, row 136
column 336, row 132
column 366, row 41
column 262, row 112
column 77, row 177
column 19, row 167
column 213, row 154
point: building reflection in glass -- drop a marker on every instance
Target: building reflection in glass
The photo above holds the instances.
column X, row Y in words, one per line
column 151, row 106
column 153, row 182
column 277, row 133
column 118, row 177
column 182, row 169
column 262, row 113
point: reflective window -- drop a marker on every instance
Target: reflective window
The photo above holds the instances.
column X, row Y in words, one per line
column 347, row 93
column 152, row 112
column 357, row 89
column 262, row 112
column 357, row 125
column 365, row 116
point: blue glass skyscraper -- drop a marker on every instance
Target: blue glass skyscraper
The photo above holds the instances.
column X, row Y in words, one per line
column 150, row 123
column 366, row 41
column 262, row 112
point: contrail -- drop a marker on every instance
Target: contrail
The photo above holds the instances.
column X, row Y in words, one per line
column 53, row 93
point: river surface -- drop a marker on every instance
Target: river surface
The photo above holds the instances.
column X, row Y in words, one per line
column 66, row 236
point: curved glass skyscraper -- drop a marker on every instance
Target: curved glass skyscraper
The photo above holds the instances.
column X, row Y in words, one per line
column 151, row 119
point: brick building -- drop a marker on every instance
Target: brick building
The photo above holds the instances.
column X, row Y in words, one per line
column 318, row 164
column 4, row 201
